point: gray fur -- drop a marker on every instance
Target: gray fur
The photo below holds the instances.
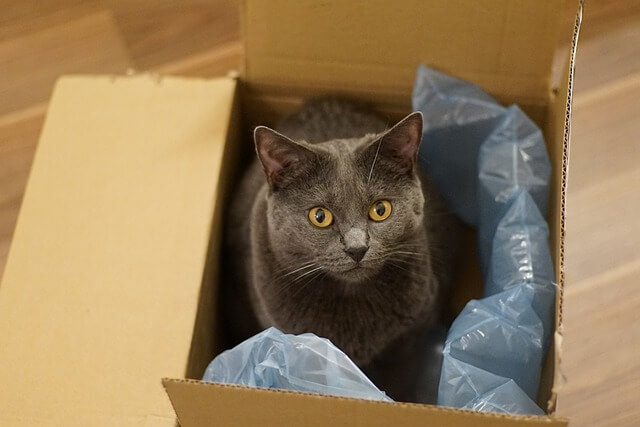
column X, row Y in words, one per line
column 287, row 273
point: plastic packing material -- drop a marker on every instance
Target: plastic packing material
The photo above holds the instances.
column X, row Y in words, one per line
column 511, row 159
column 305, row 362
column 491, row 165
column 459, row 115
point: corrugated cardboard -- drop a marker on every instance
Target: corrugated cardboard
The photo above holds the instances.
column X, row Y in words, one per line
column 505, row 46
column 101, row 289
column 111, row 278
column 200, row 404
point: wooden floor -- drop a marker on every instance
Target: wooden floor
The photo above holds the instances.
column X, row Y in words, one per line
column 40, row 40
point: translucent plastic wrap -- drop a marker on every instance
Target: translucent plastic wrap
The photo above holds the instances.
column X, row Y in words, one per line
column 305, row 362
column 512, row 158
column 491, row 165
column 459, row 115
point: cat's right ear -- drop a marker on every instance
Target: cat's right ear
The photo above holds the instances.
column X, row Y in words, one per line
column 283, row 160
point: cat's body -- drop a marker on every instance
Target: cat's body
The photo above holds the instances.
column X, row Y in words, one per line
column 288, row 273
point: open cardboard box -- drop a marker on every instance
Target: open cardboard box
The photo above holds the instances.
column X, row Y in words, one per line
column 112, row 275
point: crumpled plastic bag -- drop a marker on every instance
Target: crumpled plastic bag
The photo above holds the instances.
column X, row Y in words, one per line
column 517, row 256
column 500, row 336
column 459, row 115
column 305, row 362
column 513, row 158
column 521, row 258
column 491, row 166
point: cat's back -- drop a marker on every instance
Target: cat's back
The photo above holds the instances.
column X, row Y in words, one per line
column 324, row 119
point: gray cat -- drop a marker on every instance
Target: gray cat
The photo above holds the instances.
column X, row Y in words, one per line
column 332, row 231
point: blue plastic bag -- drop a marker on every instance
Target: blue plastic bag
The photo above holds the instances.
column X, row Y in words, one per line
column 521, row 258
column 458, row 115
column 305, row 362
column 511, row 159
column 520, row 247
column 491, row 166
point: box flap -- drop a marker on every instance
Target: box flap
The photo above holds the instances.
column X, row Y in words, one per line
column 101, row 287
column 559, row 122
column 505, row 46
column 198, row 403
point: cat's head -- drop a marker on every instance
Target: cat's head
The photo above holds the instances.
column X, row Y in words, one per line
column 342, row 207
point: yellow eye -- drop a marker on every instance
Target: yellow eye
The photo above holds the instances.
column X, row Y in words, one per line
column 320, row 217
column 380, row 210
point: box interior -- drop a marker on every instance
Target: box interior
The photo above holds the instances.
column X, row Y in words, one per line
column 278, row 76
column 257, row 109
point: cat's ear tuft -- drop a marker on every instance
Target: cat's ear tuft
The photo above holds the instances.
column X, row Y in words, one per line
column 283, row 160
column 400, row 143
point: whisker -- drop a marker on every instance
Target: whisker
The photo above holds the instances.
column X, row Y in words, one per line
column 407, row 262
column 298, row 278
column 306, row 283
column 374, row 159
column 399, row 267
column 311, row 264
column 287, row 284
column 287, row 266
column 306, row 273
column 409, row 255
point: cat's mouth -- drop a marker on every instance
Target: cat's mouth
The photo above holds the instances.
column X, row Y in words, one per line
column 356, row 272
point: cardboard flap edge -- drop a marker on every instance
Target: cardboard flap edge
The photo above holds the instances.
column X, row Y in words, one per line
column 196, row 402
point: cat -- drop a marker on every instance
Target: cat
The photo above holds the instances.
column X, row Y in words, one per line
column 332, row 230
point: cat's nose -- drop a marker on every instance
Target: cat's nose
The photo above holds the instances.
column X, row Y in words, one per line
column 356, row 243
column 357, row 253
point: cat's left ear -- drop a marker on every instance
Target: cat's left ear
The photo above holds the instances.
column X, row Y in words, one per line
column 400, row 143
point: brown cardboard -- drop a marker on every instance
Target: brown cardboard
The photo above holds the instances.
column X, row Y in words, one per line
column 505, row 46
column 559, row 121
column 107, row 286
column 200, row 404
column 101, row 288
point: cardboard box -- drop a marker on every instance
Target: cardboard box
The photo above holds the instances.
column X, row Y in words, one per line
column 111, row 279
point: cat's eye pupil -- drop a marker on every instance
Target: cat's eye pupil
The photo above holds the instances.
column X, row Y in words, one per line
column 320, row 216
column 380, row 208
